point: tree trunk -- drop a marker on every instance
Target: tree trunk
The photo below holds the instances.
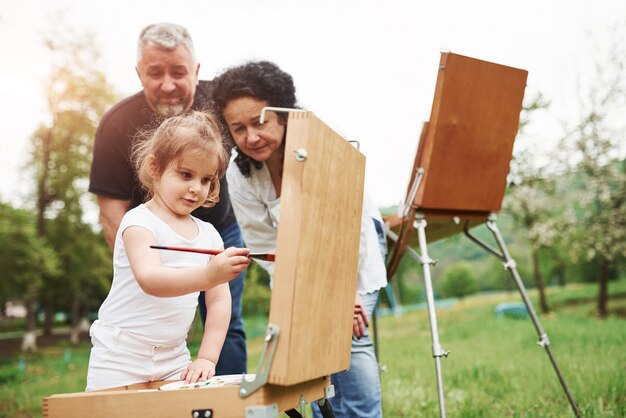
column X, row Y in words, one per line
column 603, row 293
column 560, row 274
column 48, row 318
column 84, row 323
column 29, row 342
column 543, row 304
column 43, row 197
column 43, row 200
column 75, row 333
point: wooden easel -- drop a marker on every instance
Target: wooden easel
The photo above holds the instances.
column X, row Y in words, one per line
column 459, row 175
column 310, row 322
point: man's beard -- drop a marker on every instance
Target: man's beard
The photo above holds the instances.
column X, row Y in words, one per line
column 170, row 110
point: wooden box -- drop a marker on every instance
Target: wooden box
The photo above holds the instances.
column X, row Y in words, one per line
column 467, row 145
column 317, row 252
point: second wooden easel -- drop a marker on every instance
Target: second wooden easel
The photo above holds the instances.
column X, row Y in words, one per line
column 459, row 177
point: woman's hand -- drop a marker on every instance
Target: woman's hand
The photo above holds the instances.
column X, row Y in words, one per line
column 198, row 371
column 360, row 321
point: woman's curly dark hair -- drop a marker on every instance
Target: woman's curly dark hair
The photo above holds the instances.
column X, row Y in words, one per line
column 261, row 80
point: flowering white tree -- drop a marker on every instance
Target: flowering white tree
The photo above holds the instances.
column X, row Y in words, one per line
column 596, row 146
column 531, row 200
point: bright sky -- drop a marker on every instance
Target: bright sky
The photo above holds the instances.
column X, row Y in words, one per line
column 365, row 67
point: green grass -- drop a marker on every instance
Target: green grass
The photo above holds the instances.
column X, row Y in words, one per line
column 495, row 368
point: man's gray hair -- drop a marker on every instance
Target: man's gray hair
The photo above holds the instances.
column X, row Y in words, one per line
column 165, row 35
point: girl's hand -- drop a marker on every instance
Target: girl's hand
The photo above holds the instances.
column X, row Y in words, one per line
column 199, row 371
column 228, row 264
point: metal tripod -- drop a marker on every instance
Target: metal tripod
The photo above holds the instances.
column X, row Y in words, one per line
column 425, row 261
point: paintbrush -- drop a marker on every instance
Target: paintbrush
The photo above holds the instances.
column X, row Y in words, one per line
column 258, row 256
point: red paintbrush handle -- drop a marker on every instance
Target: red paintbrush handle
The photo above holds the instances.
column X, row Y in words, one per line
column 187, row 249
column 266, row 257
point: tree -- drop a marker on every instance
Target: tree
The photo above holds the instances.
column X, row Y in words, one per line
column 458, row 281
column 596, row 150
column 26, row 259
column 77, row 94
column 86, row 262
column 531, row 202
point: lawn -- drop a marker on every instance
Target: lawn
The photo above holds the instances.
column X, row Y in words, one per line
column 495, row 368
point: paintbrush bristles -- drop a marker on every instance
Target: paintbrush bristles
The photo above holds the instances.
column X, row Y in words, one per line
column 264, row 257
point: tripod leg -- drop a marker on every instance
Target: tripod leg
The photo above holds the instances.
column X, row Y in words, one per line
column 438, row 352
column 325, row 408
column 391, row 297
column 544, row 342
column 426, row 261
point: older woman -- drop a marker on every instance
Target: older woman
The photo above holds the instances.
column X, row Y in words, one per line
column 255, row 187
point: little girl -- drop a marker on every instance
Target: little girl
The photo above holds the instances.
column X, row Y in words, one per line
column 143, row 323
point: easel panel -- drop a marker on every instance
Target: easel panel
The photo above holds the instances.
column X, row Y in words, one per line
column 316, row 253
column 469, row 139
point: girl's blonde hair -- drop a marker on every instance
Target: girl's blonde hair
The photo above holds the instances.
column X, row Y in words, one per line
column 192, row 132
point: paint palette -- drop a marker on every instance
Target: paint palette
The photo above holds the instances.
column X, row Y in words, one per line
column 215, row 381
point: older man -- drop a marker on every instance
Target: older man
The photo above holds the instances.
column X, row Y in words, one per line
column 168, row 70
